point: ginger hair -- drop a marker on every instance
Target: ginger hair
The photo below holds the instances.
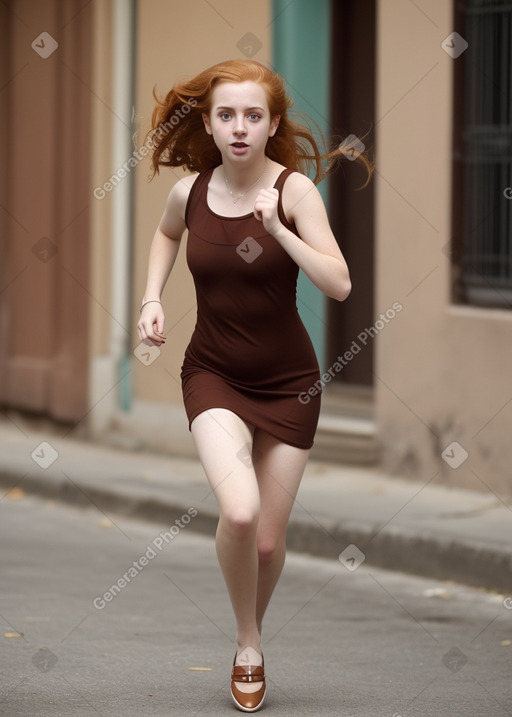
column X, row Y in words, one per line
column 179, row 137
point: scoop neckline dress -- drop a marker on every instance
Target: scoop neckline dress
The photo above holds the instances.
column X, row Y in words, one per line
column 249, row 352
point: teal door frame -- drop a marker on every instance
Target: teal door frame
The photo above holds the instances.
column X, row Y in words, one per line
column 301, row 42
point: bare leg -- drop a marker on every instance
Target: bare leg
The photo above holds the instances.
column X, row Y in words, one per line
column 279, row 468
column 223, row 440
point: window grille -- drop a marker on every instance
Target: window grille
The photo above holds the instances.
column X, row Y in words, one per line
column 485, row 154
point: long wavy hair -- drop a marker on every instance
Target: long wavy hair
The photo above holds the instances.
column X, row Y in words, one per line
column 179, row 138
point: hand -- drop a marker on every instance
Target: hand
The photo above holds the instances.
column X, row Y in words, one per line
column 150, row 326
column 265, row 210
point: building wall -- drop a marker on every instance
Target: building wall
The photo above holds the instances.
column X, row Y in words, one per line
column 44, row 225
column 442, row 371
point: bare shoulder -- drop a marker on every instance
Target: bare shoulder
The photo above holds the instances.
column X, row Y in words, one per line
column 300, row 195
column 173, row 219
column 181, row 190
column 298, row 182
column 178, row 196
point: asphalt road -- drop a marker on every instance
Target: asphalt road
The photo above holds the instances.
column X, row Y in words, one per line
column 360, row 642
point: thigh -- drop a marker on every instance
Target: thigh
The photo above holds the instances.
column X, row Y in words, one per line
column 279, row 469
column 224, row 444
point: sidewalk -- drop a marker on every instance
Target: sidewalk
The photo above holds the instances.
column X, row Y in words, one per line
column 421, row 528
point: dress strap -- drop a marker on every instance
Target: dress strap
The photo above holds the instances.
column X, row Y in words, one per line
column 279, row 185
column 282, row 178
column 197, row 192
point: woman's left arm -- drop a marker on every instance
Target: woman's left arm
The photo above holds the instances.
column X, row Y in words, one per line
column 316, row 251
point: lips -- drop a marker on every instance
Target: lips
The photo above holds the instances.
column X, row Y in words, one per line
column 238, row 149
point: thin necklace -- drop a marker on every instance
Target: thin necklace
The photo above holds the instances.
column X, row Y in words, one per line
column 242, row 195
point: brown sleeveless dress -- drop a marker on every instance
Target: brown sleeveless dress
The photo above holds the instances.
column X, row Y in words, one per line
column 249, row 352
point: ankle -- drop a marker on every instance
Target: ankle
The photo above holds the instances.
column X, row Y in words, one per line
column 252, row 640
column 249, row 655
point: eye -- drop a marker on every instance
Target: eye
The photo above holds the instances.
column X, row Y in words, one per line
column 224, row 115
column 254, row 117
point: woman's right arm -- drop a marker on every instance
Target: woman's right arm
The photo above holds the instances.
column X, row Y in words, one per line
column 162, row 255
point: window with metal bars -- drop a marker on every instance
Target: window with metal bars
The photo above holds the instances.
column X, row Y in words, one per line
column 482, row 207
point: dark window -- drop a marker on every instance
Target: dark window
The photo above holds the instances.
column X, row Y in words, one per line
column 482, row 206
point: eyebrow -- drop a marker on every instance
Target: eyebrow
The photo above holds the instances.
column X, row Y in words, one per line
column 221, row 107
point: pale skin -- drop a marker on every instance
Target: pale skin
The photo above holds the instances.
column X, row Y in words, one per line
column 255, row 500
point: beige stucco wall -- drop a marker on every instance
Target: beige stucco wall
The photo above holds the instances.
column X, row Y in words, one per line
column 442, row 371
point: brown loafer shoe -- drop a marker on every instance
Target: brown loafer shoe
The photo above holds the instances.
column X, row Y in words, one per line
column 248, row 701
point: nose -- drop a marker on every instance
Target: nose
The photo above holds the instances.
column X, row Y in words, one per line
column 239, row 128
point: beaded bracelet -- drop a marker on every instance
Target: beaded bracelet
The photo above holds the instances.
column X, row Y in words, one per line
column 151, row 301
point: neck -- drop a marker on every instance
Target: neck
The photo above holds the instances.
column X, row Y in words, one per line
column 241, row 177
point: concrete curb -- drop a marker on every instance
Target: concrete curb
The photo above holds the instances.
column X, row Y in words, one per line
column 419, row 553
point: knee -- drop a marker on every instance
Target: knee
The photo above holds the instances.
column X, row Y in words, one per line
column 269, row 549
column 241, row 523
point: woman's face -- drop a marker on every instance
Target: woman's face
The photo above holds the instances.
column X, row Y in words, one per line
column 240, row 121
